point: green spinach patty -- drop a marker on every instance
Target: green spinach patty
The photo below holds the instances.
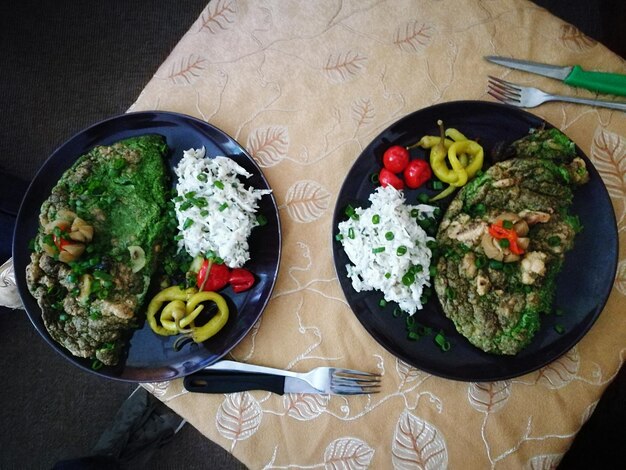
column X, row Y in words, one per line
column 502, row 241
column 100, row 232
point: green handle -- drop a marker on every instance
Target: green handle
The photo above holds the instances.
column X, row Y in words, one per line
column 611, row 83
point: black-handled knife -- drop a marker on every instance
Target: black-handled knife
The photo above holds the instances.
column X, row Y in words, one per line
column 223, row 381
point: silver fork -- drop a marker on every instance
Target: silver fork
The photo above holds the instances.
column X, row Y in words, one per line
column 529, row 97
column 327, row 380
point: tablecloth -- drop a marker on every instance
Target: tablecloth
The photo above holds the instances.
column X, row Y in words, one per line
column 304, row 87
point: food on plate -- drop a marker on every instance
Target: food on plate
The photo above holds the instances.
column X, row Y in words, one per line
column 183, row 308
column 502, row 242
column 454, row 158
column 216, row 211
column 388, row 248
column 100, row 233
column 397, row 161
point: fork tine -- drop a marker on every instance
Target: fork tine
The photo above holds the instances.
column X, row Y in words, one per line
column 504, row 88
column 508, row 85
column 352, row 372
column 354, row 390
column 357, row 382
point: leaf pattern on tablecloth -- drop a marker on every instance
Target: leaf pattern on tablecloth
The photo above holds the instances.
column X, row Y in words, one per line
column 363, row 112
column 574, row 39
column 305, row 407
column 418, row 444
column 489, row 397
column 407, row 373
column 413, row 36
column 620, row 277
column 219, row 15
column 348, row 453
column 344, row 66
column 608, row 153
column 186, row 70
column 238, row 417
column 268, row 145
column 560, row 372
column 544, row 462
column 307, row 201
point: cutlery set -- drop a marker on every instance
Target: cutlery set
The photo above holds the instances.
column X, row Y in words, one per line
column 230, row 376
column 529, row 97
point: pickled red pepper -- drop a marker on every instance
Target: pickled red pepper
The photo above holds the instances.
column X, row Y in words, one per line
column 498, row 232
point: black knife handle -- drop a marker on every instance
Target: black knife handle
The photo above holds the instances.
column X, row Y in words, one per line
column 221, row 381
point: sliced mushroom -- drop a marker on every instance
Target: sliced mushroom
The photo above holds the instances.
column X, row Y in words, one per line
column 535, row 217
column 137, row 258
column 81, row 231
column 519, row 224
column 491, row 247
column 71, row 252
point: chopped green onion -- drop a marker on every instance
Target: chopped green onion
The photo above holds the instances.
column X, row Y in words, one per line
column 261, row 220
column 408, row 279
column 351, row 233
column 387, row 275
column 204, row 212
column 413, row 336
column 218, row 184
column 375, row 219
column 389, row 236
column 507, row 224
column 382, row 303
column 374, row 178
column 495, row 264
column 432, row 271
column 188, row 223
column 415, row 213
column 423, row 198
column 480, row 261
column 401, row 250
column 190, row 194
column 554, row 240
column 96, row 364
column 202, row 177
column 397, row 312
column 339, row 237
column 349, row 210
column 442, row 342
column 504, row 242
column 380, row 249
column 223, row 207
column 450, row 293
column 185, row 205
column 437, row 185
column 560, row 329
column 63, row 317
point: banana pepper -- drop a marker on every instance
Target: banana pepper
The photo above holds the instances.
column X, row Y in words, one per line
column 182, row 308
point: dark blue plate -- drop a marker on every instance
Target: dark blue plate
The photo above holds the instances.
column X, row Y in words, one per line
column 583, row 286
column 152, row 358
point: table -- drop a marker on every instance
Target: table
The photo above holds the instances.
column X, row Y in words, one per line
column 305, row 86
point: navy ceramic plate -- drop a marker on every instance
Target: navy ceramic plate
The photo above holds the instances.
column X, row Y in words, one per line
column 583, row 286
column 152, row 358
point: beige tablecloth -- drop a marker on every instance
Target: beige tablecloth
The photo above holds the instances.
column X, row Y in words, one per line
column 305, row 86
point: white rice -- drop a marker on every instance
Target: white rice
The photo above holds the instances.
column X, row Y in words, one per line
column 216, row 212
column 374, row 269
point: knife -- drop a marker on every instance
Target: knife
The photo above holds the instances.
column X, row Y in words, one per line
column 224, row 381
column 604, row 82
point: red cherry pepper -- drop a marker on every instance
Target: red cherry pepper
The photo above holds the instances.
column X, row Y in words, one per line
column 498, row 232
column 417, row 173
column 212, row 276
column 396, row 158
column 241, row 279
column 386, row 177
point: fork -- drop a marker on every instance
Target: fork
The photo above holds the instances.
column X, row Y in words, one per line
column 325, row 380
column 529, row 97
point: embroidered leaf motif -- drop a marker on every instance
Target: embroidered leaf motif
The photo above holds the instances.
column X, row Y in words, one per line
column 348, row 453
column 489, row 397
column 574, row 39
column 608, row 153
column 307, row 201
column 268, row 145
column 544, row 462
column 342, row 67
column 406, row 372
column 559, row 373
column 305, row 407
column 362, row 112
column 418, row 444
column 239, row 416
column 413, row 36
column 187, row 70
column 620, row 277
column 219, row 15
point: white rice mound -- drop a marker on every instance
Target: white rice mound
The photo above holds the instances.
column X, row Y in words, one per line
column 216, row 212
column 373, row 269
